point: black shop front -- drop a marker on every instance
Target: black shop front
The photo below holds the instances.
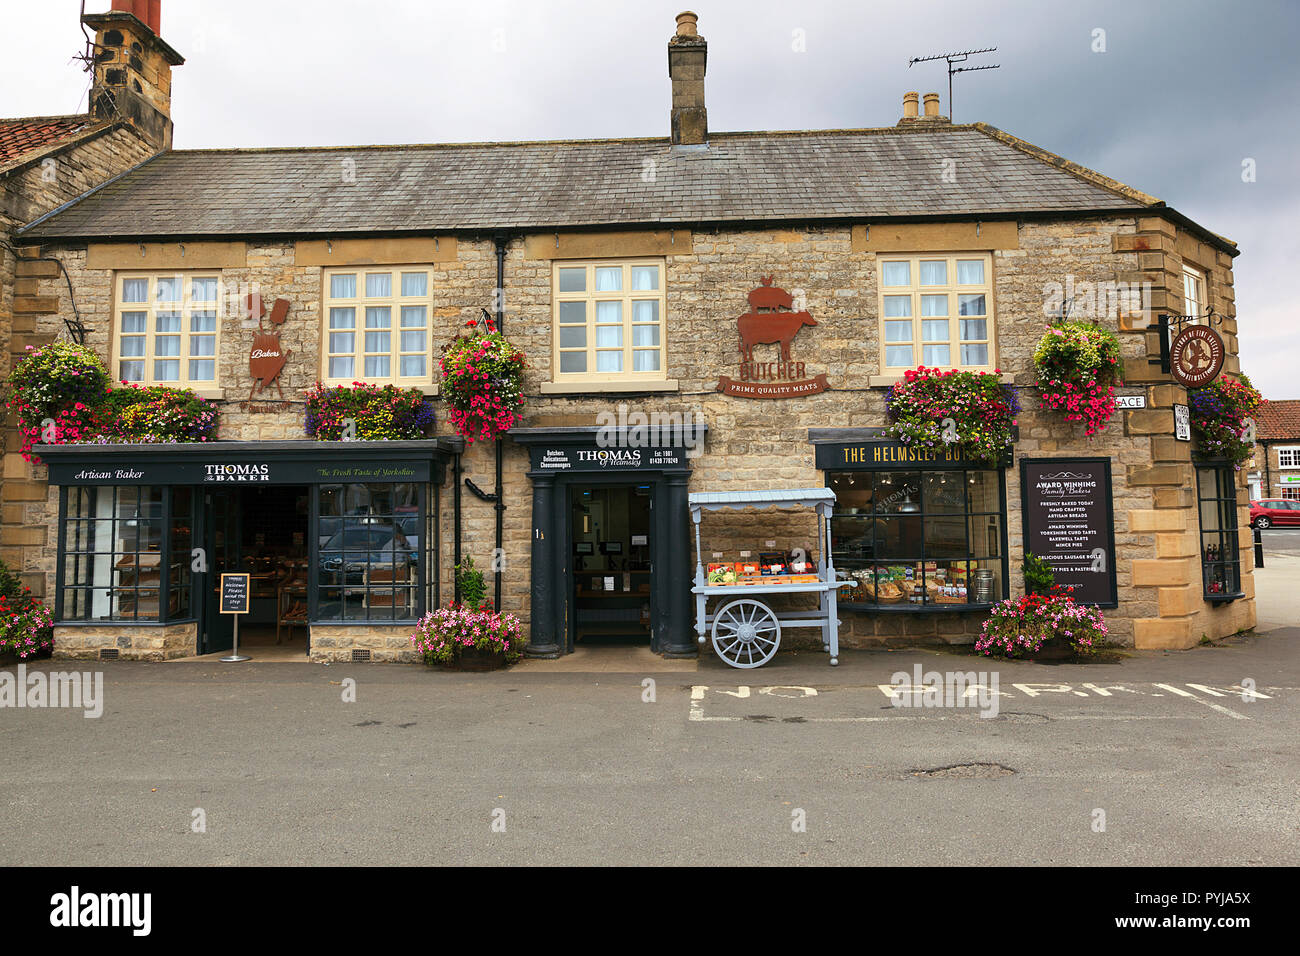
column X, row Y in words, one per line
column 609, row 538
column 334, row 534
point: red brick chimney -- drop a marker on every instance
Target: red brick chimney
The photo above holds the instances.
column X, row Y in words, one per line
column 133, row 68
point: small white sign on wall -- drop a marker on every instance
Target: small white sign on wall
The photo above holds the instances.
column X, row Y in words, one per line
column 1130, row 401
column 1182, row 423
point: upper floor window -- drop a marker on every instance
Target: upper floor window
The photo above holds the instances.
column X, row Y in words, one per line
column 165, row 328
column 1193, row 292
column 377, row 325
column 1289, row 457
column 937, row 311
column 609, row 320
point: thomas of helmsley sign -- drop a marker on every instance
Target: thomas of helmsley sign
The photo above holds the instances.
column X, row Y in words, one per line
column 771, row 320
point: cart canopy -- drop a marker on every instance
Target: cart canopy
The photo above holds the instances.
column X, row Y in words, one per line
column 770, row 498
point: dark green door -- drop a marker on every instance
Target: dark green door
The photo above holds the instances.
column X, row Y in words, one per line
column 222, row 532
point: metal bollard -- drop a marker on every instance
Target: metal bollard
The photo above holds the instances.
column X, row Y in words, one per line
column 1259, row 548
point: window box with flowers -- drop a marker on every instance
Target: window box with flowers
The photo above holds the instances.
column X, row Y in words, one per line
column 366, row 412
column 482, row 382
column 1078, row 365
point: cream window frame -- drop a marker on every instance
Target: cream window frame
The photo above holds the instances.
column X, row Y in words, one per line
column 152, row 307
column 394, row 302
column 625, row 296
column 1193, row 293
column 1292, row 452
column 953, row 291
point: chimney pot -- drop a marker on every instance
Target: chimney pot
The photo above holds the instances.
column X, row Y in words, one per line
column 911, row 101
column 687, row 24
column 688, row 56
column 932, row 104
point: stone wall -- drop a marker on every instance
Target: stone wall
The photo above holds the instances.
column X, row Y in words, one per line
column 755, row 443
column 134, row 643
column 335, row 644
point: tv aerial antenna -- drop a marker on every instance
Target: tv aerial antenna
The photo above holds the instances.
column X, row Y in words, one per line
column 953, row 59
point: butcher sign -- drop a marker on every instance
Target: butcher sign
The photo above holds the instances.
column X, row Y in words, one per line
column 1196, row 357
column 771, row 321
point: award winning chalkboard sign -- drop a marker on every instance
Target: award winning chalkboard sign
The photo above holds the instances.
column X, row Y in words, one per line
column 1069, row 523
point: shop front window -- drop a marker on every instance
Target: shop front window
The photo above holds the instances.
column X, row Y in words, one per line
column 913, row 539
column 118, row 562
column 1216, row 491
column 369, row 539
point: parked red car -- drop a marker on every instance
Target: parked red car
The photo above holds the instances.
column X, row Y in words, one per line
column 1274, row 511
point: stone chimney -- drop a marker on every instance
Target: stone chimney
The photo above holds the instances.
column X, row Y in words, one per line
column 688, row 55
column 910, row 116
column 133, row 68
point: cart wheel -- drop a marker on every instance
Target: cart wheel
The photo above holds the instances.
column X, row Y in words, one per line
column 746, row 633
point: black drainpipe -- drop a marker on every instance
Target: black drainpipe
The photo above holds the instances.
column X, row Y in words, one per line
column 500, row 492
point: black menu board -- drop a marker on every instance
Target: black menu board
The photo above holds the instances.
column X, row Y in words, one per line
column 234, row 594
column 1069, row 522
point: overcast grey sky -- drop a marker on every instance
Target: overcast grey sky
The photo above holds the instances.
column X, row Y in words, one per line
column 1184, row 92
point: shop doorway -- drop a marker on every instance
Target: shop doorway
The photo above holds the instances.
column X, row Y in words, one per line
column 262, row 532
column 611, row 583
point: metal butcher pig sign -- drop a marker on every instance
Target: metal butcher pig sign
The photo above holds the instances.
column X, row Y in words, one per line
column 267, row 359
column 771, row 320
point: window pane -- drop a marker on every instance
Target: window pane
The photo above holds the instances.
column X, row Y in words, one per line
column 986, row 536
column 934, row 305
column 944, row 493
column 341, row 342
column 167, row 322
column 573, row 313
column 645, row 310
column 609, row 336
column 573, row 280
column 413, row 365
column 203, row 321
column 415, row 283
column 377, row 366
column 645, row 335
column 974, row 330
column 609, row 312
column 974, row 355
column 898, row 537
column 135, row 290
column 933, row 355
column 135, row 321
column 132, row 346
column 645, row 278
column 573, row 337
column 645, row 360
column 414, row 316
column 971, row 305
column 609, row 279
column 167, row 345
column 131, row 371
column 896, row 273
column 168, row 289
column 379, row 285
column 970, row 271
column 203, row 290
column 934, row 330
column 897, row 306
column 573, row 361
column 898, row 356
column 167, row 371
column 934, row 272
column 203, row 345
column 341, row 366
column 609, row 361
column 413, row 341
column 898, row 331
column 343, row 287
column 378, row 342
column 202, row 370
column 343, row 318
column 378, row 317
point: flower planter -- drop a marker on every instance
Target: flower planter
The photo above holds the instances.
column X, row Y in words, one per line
column 1054, row 649
column 473, row 659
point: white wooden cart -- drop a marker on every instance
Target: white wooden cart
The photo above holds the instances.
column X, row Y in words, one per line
column 745, row 631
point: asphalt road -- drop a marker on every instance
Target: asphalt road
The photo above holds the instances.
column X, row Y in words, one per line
column 1281, row 539
column 719, row 768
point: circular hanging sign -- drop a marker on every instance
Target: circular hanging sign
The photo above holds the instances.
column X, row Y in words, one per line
column 1197, row 355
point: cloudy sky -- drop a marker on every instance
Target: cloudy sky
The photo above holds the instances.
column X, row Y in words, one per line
column 1170, row 97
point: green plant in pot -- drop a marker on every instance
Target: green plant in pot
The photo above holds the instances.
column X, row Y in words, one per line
column 1039, row 576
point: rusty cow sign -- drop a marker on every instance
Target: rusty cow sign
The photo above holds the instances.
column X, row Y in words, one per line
column 267, row 359
column 771, row 320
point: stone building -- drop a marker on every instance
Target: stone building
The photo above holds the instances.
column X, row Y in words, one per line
column 45, row 163
column 1276, row 466
column 623, row 266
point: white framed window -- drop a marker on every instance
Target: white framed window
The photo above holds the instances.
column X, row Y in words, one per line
column 377, row 325
column 165, row 328
column 937, row 311
column 1288, row 456
column 1291, row 494
column 1193, row 292
column 609, row 320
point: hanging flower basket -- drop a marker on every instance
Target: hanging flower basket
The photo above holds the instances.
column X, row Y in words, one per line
column 482, row 382
column 1078, row 365
column 1222, row 414
column 971, row 412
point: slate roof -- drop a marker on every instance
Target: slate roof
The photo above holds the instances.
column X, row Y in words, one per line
column 794, row 176
column 1279, row 420
column 21, row 136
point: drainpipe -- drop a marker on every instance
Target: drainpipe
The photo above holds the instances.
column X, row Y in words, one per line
column 500, row 505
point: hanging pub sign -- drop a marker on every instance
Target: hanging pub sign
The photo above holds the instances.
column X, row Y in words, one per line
column 771, row 320
column 1196, row 356
column 1069, row 522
